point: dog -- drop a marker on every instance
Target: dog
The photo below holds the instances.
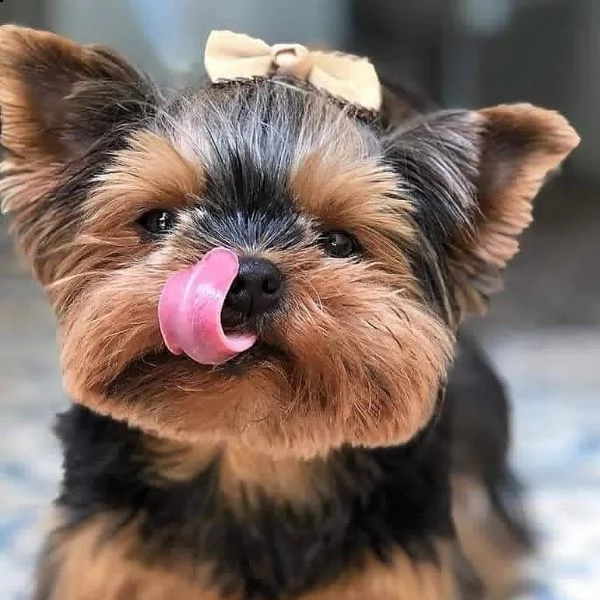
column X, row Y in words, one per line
column 258, row 286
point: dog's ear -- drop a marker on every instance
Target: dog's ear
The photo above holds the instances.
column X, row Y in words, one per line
column 473, row 176
column 57, row 98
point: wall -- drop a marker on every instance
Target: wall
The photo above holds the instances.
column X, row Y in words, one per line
column 160, row 35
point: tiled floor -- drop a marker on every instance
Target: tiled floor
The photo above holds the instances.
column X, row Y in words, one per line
column 554, row 377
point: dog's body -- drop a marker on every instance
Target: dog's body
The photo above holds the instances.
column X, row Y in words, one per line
column 329, row 254
column 170, row 507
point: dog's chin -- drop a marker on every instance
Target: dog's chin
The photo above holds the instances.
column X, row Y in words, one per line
column 263, row 398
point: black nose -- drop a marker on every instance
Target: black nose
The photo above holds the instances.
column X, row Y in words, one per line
column 256, row 289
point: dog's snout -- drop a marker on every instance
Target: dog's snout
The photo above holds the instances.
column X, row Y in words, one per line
column 256, row 289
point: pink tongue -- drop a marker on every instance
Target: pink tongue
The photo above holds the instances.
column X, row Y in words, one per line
column 189, row 310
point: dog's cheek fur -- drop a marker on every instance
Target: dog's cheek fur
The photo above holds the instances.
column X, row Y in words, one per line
column 367, row 357
column 362, row 362
column 109, row 324
column 106, row 293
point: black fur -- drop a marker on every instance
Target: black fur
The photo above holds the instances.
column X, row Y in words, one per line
column 385, row 499
column 440, row 172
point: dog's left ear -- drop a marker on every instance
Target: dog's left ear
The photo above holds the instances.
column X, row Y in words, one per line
column 473, row 176
column 58, row 98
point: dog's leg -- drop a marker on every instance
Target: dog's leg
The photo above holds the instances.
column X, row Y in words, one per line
column 491, row 541
column 486, row 500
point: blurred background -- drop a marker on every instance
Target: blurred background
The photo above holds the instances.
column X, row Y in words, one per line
column 543, row 330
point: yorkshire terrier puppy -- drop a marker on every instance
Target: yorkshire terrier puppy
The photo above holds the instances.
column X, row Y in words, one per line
column 258, row 285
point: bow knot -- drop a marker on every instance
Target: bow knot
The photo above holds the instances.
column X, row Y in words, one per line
column 231, row 55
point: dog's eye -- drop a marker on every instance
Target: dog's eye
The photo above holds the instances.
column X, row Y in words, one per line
column 339, row 244
column 157, row 221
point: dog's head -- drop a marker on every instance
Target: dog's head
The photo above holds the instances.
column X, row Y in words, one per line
column 255, row 259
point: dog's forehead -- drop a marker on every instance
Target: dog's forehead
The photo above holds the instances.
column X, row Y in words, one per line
column 268, row 127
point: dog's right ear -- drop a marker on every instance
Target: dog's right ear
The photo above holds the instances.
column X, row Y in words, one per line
column 58, row 98
column 473, row 176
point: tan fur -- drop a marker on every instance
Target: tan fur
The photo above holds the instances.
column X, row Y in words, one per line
column 22, row 193
column 149, row 174
column 174, row 461
column 401, row 579
column 93, row 569
column 357, row 195
column 244, row 474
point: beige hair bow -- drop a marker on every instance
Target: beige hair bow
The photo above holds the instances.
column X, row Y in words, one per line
column 231, row 55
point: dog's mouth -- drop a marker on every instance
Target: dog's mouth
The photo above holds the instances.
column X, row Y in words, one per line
column 191, row 306
column 234, row 323
column 151, row 362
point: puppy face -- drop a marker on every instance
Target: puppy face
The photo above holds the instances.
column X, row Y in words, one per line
column 353, row 251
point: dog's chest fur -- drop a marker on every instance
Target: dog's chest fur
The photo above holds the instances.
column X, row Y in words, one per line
column 387, row 513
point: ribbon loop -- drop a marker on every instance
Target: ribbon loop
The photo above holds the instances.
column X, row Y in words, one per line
column 231, row 55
